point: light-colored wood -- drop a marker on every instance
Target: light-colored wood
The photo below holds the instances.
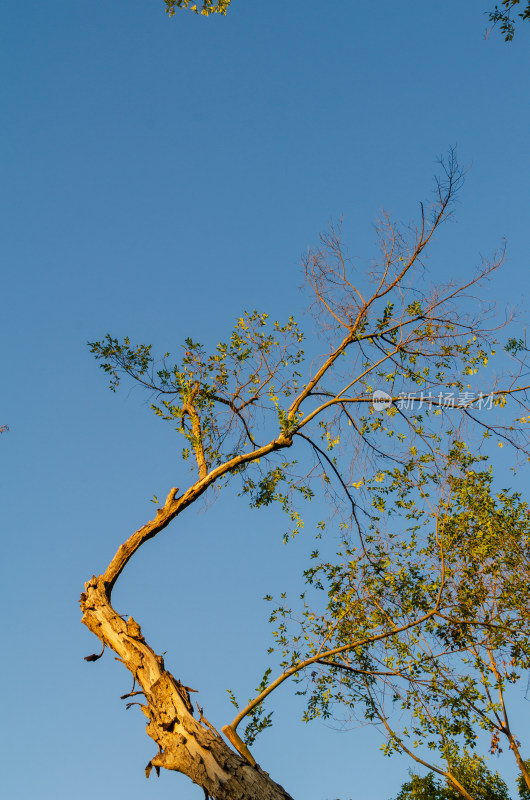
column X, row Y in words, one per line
column 185, row 744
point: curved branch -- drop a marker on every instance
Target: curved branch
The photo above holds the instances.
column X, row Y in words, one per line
column 230, row 730
column 174, row 506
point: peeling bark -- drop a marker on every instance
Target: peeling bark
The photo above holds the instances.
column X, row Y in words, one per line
column 185, row 744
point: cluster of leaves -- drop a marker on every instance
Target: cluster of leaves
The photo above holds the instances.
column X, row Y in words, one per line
column 469, row 769
column 280, row 485
column 522, row 787
column 505, row 14
column 258, row 721
column 210, row 399
column 205, row 7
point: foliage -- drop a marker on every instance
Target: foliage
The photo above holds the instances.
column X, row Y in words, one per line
column 258, row 720
column 428, row 787
column 505, row 16
column 258, row 361
column 470, row 770
column 204, row 7
column 464, row 564
column 522, row 786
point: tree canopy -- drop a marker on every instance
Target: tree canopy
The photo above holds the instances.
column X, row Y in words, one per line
column 425, row 609
column 438, row 684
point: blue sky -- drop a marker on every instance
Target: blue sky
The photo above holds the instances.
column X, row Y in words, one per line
column 160, row 176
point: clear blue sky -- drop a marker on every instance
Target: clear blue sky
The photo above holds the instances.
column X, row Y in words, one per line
column 158, row 178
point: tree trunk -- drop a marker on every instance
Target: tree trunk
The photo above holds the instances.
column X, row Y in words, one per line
column 185, row 744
